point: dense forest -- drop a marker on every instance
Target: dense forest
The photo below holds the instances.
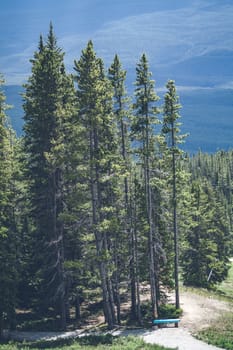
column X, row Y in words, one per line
column 98, row 198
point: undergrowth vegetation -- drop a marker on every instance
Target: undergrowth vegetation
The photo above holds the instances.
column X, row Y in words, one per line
column 106, row 342
column 221, row 332
column 225, row 287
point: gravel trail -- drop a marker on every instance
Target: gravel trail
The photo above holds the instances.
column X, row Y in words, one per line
column 176, row 338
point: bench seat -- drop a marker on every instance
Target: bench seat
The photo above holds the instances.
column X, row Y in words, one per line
column 159, row 322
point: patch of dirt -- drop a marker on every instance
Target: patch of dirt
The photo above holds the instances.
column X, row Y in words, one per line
column 200, row 311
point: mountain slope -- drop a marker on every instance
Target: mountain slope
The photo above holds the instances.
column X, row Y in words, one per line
column 207, row 115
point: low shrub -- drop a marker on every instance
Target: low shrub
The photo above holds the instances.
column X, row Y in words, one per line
column 169, row 311
column 44, row 324
column 164, row 311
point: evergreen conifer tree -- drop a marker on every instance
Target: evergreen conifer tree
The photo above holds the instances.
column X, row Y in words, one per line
column 95, row 102
column 143, row 127
column 173, row 138
column 46, row 106
column 205, row 257
column 124, row 240
column 8, row 234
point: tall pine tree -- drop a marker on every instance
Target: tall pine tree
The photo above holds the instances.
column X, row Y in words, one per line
column 173, row 137
column 95, row 100
column 8, row 234
column 46, row 108
column 143, row 128
column 124, row 241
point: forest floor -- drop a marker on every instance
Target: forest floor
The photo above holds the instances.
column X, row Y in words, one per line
column 199, row 311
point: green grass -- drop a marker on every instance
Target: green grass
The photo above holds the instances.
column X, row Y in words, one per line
column 226, row 287
column 106, row 342
column 221, row 332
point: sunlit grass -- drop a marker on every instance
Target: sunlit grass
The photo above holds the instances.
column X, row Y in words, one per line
column 221, row 331
column 106, row 342
column 226, row 287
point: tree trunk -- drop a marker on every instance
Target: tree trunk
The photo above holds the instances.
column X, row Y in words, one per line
column 1, row 325
column 133, row 255
column 116, row 283
column 59, row 246
column 151, row 226
column 108, row 309
column 77, row 308
column 176, row 248
column 139, row 316
column 99, row 237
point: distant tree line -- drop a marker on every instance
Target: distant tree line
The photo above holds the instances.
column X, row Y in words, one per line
column 98, row 197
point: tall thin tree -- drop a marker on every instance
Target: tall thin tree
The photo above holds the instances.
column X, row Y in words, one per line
column 95, row 94
column 143, row 132
column 172, row 132
column 121, row 107
column 8, row 232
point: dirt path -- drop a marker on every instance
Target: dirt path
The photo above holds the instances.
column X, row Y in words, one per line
column 198, row 312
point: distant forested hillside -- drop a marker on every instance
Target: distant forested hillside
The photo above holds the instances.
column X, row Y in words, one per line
column 207, row 117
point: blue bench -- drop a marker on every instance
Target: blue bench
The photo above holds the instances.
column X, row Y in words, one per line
column 160, row 322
